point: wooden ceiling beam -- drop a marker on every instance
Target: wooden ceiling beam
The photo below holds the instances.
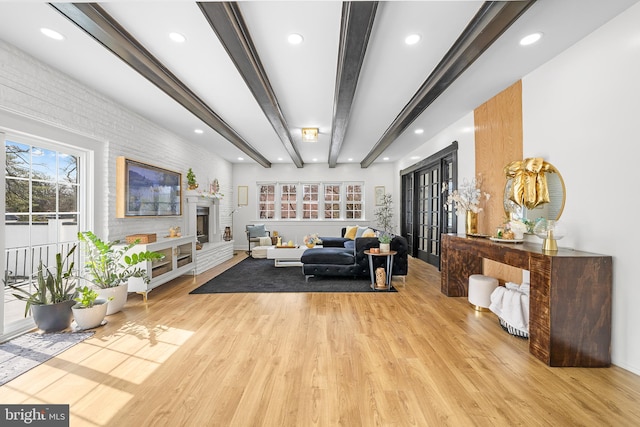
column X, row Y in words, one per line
column 491, row 21
column 355, row 29
column 96, row 22
column 227, row 22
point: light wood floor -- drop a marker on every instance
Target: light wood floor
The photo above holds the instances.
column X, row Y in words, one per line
column 412, row 358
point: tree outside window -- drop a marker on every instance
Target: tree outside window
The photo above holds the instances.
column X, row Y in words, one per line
column 332, row 201
column 288, row 201
column 354, row 201
column 267, row 201
column 310, row 195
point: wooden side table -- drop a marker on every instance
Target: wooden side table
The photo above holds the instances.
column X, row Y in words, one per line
column 389, row 267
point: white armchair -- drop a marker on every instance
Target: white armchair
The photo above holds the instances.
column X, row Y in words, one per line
column 254, row 234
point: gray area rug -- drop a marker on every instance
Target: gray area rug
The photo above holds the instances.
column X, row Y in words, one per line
column 29, row 350
column 259, row 275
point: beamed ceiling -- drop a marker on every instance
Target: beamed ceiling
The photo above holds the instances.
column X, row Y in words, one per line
column 237, row 79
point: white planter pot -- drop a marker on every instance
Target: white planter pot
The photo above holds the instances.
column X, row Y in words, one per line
column 118, row 297
column 91, row 317
column 385, row 248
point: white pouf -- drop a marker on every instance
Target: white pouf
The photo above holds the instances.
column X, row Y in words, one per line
column 259, row 251
column 480, row 289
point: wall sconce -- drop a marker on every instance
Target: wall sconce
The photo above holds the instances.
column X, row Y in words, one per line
column 310, row 134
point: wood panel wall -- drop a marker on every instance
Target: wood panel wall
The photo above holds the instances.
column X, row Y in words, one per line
column 498, row 136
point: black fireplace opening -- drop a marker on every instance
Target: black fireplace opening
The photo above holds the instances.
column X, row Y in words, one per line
column 202, row 224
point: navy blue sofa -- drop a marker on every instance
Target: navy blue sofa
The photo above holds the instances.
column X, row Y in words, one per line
column 341, row 256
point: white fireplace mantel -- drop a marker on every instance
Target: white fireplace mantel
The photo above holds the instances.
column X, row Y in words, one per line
column 193, row 202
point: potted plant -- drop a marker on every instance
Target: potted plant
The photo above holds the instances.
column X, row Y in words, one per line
column 384, row 214
column 52, row 300
column 89, row 311
column 385, row 242
column 109, row 267
column 191, row 180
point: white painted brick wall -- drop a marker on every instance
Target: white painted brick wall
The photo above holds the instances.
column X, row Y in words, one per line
column 32, row 89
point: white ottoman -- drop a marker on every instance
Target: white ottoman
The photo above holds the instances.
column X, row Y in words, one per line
column 259, row 251
column 480, row 289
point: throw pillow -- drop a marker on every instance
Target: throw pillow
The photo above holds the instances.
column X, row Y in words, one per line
column 351, row 232
column 257, row 230
column 369, row 233
column 361, row 231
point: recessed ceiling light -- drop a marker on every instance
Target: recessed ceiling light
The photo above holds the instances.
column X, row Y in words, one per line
column 412, row 39
column 415, row 157
column 418, row 131
column 177, row 37
column 241, row 158
column 350, row 159
column 530, row 39
column 279, row 159
column 198, row 131
column 315, row 160
column 385, row 158
column 52, row 33
column 295, row 38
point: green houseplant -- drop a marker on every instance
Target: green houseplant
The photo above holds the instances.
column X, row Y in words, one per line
column 385, row 241
column 191, row 180
column 384, row 214
column 384, row 220
column 109, row 267
column 52, row 300
column 89, row 311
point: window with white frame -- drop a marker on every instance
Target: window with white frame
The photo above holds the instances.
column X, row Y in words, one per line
column 267, row 201
column 354, row 201
column 311, row 201
column 288, row 201
column 310, row 198
column 332, row 201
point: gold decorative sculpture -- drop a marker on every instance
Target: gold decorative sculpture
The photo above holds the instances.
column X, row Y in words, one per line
column 529, row 186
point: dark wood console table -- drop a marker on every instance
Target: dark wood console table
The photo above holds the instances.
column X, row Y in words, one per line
column 570, row 301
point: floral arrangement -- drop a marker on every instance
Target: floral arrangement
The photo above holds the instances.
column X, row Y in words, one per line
column 467, row 197
column 518, row 227
column 312, row 239
column 213, row 192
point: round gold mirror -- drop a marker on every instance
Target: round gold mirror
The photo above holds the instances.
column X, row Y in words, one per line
column 551, row 210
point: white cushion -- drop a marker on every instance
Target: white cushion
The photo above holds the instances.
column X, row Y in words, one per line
column 265, row 241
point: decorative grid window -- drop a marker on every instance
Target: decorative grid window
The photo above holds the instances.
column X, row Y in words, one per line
column 267, row 204
column 355, row 201
column 41, row 184
column 311, row 201
column 310, row 196
column 332, row 201
column 288, row 201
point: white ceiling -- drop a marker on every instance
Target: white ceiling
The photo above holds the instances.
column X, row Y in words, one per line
column 303, row 77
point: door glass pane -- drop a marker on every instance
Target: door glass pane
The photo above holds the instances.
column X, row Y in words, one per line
column 44, row 164
column 42, row 193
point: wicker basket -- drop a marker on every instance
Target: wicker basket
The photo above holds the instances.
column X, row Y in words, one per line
column 144, row 238
column 513, row 330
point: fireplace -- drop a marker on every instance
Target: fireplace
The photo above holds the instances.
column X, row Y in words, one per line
column 203, row 219
column 202, row 224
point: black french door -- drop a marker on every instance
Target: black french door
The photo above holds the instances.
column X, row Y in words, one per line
column 424, row 192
